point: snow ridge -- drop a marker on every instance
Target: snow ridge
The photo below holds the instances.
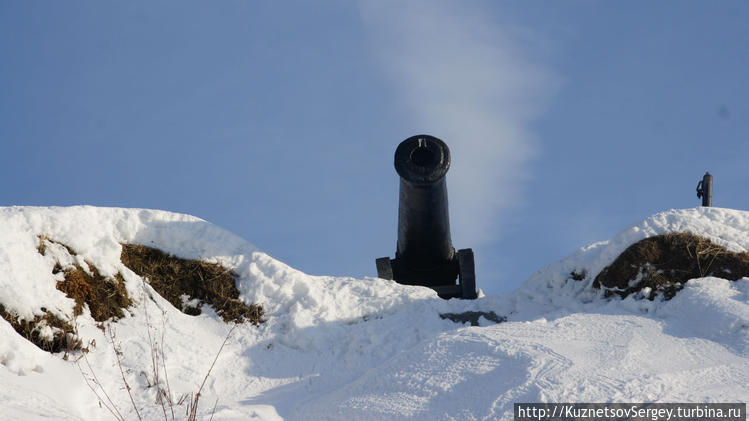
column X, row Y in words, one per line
column 344, row 348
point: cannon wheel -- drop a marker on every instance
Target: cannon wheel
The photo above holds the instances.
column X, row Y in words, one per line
column 384, row 268
column 466, row 273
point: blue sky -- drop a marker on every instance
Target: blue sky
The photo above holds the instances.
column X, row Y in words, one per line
column 567, row 121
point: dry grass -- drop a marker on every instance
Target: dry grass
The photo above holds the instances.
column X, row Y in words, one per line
column 187, row 284
column 63, row 339
column 183, row 280
column 664, row 263
column 106, row 298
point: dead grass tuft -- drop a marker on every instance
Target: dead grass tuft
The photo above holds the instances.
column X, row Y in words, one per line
column 106, row 298
column 63, row 336
column 188, row 284
column 664, row 263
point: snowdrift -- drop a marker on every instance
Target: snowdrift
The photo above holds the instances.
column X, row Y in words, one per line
column 343, row 348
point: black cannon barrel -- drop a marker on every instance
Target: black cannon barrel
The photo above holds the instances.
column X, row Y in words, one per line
column 423, row 218
column 425, row 253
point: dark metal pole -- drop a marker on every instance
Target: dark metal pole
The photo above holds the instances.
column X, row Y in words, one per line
column 705, row 189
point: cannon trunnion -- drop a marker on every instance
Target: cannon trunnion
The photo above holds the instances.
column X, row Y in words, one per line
column 425, row 254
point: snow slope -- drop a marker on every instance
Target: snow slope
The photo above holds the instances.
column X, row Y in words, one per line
column 343, row 348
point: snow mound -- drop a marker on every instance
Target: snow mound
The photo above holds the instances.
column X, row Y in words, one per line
column 343, row 348
column 726, row 227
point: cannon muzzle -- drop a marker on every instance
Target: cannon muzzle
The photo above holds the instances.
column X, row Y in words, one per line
column 425, row 254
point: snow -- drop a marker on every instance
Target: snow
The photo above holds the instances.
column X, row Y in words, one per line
column 343, row 348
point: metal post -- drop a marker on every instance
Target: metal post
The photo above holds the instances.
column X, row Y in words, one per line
column 705, row 189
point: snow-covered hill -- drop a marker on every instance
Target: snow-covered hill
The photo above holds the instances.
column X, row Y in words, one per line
column 342, row 348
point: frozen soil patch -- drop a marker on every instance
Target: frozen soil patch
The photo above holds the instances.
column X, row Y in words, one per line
column 663, row 263
column 188, row 284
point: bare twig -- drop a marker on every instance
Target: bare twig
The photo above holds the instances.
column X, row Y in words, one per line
column 117, row 353
column 154, row 357
column 163, row 365
column 164, row 395
column 216, row 358
column 111, row 407
column 194, row 401
column 157, row 351
column 710, row 251
column 716, row 251
column 213, row 412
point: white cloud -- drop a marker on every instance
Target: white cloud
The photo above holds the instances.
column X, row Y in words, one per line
column 471, row 82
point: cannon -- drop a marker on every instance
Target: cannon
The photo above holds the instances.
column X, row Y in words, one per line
column 424, row 254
